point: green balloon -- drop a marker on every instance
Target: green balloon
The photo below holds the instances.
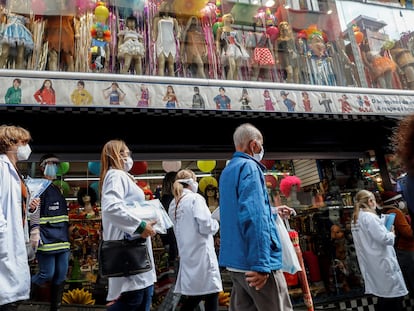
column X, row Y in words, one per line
column 216, row 26
column 63, row 168
column 63, row 186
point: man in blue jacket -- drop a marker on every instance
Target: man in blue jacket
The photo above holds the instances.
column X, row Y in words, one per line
column 249, row 242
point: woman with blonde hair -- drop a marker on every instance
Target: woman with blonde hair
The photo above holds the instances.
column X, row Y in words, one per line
column 120, row 200
column 377, row 259
column 15, row 203
column 198, row 274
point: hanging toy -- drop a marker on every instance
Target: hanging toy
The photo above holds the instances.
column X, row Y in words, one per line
column 101, row 36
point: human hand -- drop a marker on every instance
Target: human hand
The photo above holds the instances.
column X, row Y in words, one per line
column 256, row 279
column 285, row 211
column 35, row 238
column 34, row 203
column 149, row 230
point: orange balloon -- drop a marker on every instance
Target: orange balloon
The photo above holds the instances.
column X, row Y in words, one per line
column 359, row 36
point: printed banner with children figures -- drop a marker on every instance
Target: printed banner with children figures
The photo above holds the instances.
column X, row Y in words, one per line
column 209, row 94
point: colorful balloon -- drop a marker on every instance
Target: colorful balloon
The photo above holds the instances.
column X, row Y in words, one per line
column 206, row 165
column 63, row 186
column 139, row 167
column 101, row 12
column 95, row 186
column 207, row 180
column 94, row 168
column 62, row 168
column 359, row 36
column 171, row 166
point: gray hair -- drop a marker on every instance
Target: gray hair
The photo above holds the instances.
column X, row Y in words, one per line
column 245, row 133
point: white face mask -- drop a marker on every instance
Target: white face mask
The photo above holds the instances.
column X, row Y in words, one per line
column 23, row 152
column 259, row 156
column 128, row 163
column 194, row 186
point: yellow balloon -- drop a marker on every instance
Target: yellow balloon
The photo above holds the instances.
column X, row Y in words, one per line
column 206, row 166
column 207, row 180
column 101, row 13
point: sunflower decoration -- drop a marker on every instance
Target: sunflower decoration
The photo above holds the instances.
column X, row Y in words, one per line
column 78, row 296
column 189, row 7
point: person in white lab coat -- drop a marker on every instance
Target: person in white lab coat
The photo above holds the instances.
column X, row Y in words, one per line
column 14, row 232
column 118, row 189
column 198, row 274
column 377, row 259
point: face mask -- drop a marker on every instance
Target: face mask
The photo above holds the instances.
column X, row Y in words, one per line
column 401, row 205
column 50, row 170
column 23, row 152
column 194, row 186
column 259, row 156
column 128, row 163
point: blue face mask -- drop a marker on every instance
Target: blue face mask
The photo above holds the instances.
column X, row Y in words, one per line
column 50, row 170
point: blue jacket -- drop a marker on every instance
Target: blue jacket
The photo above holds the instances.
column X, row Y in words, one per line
column 249, row 240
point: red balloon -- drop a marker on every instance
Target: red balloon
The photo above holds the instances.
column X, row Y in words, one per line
column 139, row 167
column 268, row 163
column 272, row 32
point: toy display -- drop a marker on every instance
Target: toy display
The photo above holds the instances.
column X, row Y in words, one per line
column 202, row 39
column 165, row 33
column 131, row 47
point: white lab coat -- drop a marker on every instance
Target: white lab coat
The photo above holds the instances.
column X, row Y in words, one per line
column 194, row 228
column 14, row 266
column 119, row 216
column 374, row 246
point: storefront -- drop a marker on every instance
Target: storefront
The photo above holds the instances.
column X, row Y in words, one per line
column 324, row 83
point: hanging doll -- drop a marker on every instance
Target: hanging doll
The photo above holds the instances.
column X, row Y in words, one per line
column 131, row 47
column 17, row 36
column 194, row 47
column 380, row 68
column 99, row 51
column 287, row 57
column 319, row 62
column 229, row 47
column 259, row 46
column 165, row 31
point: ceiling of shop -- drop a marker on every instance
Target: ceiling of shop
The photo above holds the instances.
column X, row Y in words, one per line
column 77, row 134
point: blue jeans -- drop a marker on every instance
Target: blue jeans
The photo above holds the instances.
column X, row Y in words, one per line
column 52, row 267
column 137, row 300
